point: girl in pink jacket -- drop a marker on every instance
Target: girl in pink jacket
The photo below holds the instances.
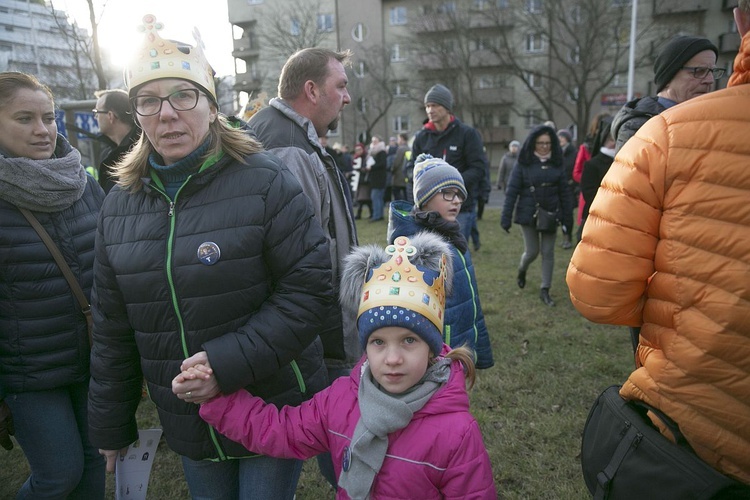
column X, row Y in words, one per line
column 399, row 426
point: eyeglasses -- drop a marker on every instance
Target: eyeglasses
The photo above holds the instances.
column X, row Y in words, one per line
column 180, row 100
column 543, row 143
column 701, row 72
column 452, row 195
column 99, row 111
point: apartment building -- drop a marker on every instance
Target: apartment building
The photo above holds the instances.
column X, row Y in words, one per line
column 511, row 64
column 31, row 41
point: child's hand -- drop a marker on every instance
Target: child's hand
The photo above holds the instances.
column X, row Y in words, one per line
column 199, row 371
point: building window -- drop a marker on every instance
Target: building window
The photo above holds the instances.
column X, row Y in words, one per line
column 294, row 27
column 573, row 94
column 503, row 117
column 362, row 104
column 490, row 81
column 575, row 55
column 488, row 4
column 398, row 16
column 325, row 22
column 486, row 119
column 484, row 44
column 534, row 80
column 533, row 117
column 401, row 123
column 575, row 14
column 360, row 69
column 397, row 54
column 399, row 90
column 534, row 6
column 359, row 32
column 534, row 42
column 446, row 8
column 620, row 80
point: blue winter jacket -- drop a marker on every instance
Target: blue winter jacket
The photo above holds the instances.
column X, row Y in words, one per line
column 464, row 319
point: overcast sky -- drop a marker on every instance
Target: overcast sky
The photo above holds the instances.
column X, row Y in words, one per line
column 119, row 20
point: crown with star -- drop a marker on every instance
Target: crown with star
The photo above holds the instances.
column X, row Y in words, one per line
column 399, row 282
column 402, row 285
column 159, row 58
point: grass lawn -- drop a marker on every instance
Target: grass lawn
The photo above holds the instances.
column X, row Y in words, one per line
column 550, row 364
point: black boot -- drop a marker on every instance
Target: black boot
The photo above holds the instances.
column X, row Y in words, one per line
column 521, row 279
column 567, row 242
column 544, row 295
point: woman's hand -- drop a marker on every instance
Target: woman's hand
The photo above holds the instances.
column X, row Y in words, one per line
column 197, row 383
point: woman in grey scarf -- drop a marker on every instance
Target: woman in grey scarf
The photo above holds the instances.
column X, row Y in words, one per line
column 44, row 346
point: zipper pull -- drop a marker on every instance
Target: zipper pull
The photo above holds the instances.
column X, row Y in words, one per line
column 171, row 209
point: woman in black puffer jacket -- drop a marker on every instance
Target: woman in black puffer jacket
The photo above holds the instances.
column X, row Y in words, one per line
column 207, row 252
column 538, row 179
column 44, row 344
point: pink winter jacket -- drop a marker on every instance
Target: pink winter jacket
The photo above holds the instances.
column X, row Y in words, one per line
column 440, row 454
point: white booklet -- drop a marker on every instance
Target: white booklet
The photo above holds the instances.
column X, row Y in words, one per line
column 133, row 470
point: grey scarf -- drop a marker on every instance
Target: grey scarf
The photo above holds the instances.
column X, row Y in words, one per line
column 383, row 413
column 43, row 185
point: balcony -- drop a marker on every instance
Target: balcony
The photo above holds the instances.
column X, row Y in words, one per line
column 497, row 135
column 488, row 97
column 246, row 47
column 434, row 24
column 729, row 42
column 247, row 82
column 679, row 6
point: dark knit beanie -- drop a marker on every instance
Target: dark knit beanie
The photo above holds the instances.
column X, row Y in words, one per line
column 565, row 133
column 673, row 56
column 432, row 175
column 439, row 94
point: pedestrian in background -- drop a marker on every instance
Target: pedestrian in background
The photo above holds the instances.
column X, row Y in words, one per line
column 538, row 181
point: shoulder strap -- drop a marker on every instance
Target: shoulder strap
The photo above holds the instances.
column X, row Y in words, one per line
column 75, row 287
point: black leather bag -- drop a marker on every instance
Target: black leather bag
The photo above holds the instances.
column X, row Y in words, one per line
column 545, row 221
column 624, row 456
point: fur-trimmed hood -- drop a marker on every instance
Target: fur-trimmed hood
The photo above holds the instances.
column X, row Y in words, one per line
column 430, row 249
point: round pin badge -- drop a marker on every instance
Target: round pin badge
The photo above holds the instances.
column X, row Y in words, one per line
column 209, row 253
column 347, row 460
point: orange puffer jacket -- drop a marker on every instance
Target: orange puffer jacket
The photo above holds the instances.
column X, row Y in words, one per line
column 667, row 247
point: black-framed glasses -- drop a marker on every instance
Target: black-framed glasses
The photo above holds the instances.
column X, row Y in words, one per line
column 452, row 194
column 180, row 100
column 543, row 143
column 702, row 71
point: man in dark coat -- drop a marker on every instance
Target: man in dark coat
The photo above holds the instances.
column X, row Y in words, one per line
column 445, row 136
column 112, row 113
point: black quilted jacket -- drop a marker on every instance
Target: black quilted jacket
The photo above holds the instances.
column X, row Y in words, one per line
column 256, row 310
column 43, row 336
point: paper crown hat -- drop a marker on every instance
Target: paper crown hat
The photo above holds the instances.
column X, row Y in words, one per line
column 403, row 285
column 159, row 58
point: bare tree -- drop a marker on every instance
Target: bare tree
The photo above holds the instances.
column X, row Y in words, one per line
column 447, row 45
column 565, row 53
column 292, row 26
column 81, row 45
column 371, row 87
